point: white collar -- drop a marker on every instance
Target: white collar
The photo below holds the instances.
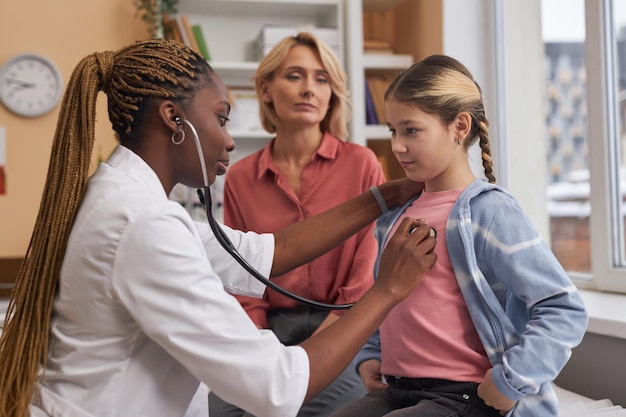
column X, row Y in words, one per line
column 136, row 168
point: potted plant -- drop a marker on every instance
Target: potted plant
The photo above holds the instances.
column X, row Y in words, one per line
column 151, row 12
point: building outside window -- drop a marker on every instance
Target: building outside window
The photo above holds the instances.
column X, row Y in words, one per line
column 585, row 103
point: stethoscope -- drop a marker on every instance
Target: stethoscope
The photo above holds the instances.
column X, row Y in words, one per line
column 205, row 198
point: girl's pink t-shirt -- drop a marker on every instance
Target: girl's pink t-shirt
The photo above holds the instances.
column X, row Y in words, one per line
column 430, row 334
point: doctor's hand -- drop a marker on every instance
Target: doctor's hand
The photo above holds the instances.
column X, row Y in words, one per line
column 492, row 396
column 371, row 376
column 406, row 258
column 399, row 191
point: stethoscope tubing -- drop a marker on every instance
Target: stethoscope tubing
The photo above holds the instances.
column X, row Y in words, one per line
column 230, row 248
column 220, row 235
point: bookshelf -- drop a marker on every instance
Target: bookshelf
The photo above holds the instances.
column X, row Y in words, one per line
column 413, row 28
column 231, row 28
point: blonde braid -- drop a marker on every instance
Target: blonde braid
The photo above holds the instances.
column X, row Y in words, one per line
column 483, row 134
column 145, row 69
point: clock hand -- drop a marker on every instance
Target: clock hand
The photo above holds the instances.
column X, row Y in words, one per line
column 22, row 84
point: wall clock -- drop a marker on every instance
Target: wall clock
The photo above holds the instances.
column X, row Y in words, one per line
column 30, row 85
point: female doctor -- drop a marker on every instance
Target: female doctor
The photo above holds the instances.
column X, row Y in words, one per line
column 120, row 307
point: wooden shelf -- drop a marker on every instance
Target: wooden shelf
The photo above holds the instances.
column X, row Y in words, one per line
column 235, row 73
column 377, row 132
column 251, row 135
column 380, row 5
column 245, row 67
column 290, row 9
column 386, row 61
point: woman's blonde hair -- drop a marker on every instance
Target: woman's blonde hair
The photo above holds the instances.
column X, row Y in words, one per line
column 440, row 85
column 338, row 115
column 133, row 78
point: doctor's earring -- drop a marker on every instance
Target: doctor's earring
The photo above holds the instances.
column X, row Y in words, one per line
column 182, row 137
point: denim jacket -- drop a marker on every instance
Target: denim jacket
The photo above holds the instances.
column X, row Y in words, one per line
column 527, row 312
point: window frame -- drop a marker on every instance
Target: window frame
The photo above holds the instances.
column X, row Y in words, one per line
column 600, row 63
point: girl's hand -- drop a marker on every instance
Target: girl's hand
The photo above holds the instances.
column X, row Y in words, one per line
column 371, row 376
column 492, row 395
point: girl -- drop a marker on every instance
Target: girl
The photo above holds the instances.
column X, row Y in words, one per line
column 493, row 323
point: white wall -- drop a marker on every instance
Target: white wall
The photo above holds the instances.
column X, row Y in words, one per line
column 516, row 111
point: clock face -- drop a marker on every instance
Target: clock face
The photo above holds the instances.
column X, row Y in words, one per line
column 30, row 85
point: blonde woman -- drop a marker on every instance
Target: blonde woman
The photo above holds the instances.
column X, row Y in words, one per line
column 307, row 168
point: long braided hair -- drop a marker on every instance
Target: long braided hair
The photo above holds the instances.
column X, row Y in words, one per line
column 442, row 86
column 133, row 78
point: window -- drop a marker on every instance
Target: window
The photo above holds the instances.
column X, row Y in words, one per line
column 585, row 67
column 566, row 127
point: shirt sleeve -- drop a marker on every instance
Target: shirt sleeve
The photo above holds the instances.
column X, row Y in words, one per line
column 542, row 302
column 256, row 249
column 164, row 279
column 361, row 274
column 370, row 350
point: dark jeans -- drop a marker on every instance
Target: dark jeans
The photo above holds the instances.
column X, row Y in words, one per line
column 423, row 397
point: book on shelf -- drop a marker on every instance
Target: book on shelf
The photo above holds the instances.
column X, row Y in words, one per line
column 170, row 28
column 179, row 28
column 370, row 111
column 377, row 86
column 189, row 39
column 202, row 45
